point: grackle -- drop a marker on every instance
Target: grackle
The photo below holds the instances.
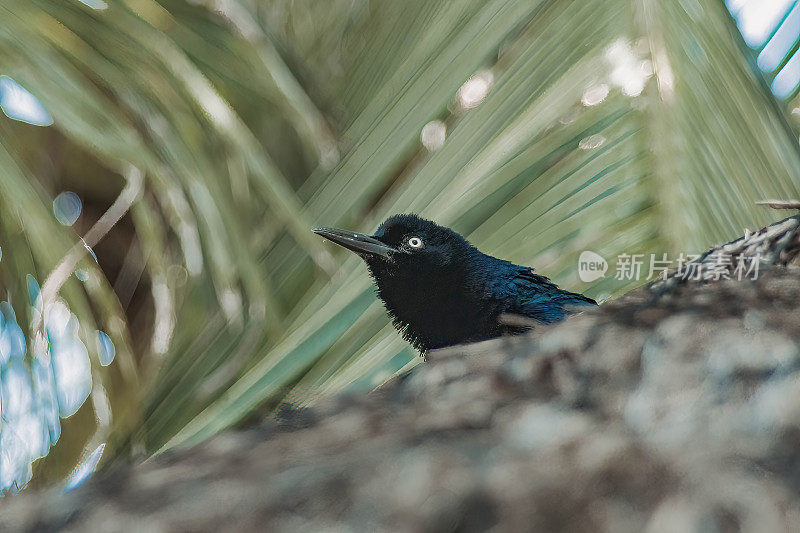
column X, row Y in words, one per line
column 440, row 290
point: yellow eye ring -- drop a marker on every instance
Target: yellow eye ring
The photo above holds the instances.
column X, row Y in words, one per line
column 415, row 242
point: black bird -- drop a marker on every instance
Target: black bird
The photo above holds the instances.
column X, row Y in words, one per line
column 440, row 290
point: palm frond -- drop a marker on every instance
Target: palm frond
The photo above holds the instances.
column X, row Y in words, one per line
column 616, row 127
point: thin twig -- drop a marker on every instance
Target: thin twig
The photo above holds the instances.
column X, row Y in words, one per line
column 780, row 204
column 121, row 205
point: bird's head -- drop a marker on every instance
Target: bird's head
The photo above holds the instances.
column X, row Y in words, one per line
column 405, row 246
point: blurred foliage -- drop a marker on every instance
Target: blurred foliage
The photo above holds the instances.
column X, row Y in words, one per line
column 613, row 126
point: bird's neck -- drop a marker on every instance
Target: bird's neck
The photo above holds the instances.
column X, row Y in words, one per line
column 434, row 308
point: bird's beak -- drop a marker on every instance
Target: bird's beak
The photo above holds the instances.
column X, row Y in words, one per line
column 356, row 242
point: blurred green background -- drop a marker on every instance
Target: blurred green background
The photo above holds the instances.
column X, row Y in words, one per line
column 192, row 145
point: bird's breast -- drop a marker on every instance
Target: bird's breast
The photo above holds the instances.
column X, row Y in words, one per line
column 439, row 312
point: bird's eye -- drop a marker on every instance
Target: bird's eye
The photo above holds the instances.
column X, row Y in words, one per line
column 415, row 242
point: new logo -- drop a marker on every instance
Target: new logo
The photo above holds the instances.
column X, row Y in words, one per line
column 591, row 266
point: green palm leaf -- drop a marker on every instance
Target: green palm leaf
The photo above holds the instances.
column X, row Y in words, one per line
column 610, row 126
